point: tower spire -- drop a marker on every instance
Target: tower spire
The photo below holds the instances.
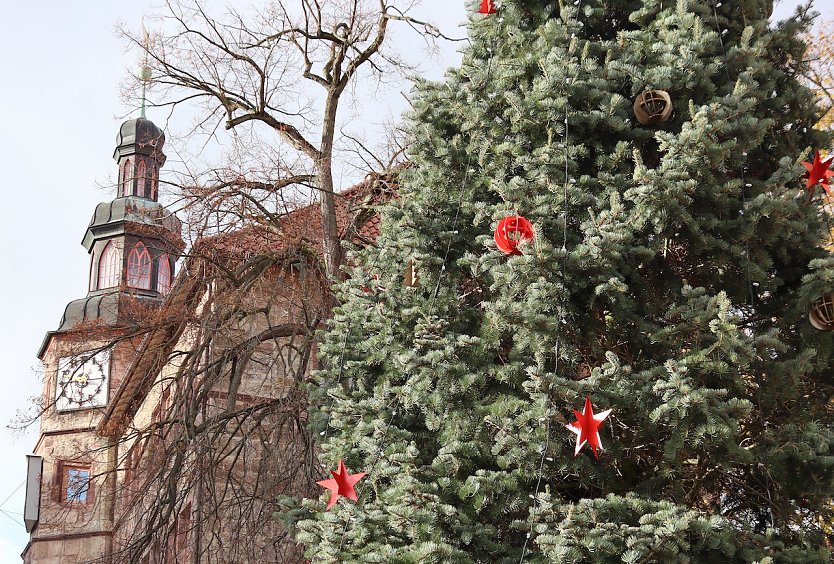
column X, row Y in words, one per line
column 144, row 72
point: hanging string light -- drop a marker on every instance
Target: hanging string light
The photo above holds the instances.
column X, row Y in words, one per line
column 743, row 168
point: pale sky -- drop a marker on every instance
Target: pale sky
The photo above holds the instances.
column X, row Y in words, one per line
column 61, row 65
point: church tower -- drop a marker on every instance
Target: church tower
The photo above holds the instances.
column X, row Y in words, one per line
column 133, row 243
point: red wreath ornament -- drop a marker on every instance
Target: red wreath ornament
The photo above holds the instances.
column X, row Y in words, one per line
column 511, row 231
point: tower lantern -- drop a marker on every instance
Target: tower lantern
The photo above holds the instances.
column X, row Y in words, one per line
column 139, row 155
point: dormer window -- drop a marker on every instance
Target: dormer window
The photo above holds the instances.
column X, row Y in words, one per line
column 141, row 180
column 163, row 277
column 109, row 266
column 139, row 267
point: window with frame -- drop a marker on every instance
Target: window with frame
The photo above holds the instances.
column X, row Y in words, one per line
column 163, row 276
column 75, row 484
column 141, row 179
column 127, row 177
column 139, row 267
column 109, row 266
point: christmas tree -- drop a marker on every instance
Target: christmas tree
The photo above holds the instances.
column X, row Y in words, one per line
column 674, row 254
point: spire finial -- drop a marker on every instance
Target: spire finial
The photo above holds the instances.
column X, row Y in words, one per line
column 145, row 71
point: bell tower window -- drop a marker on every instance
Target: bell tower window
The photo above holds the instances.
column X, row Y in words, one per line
column 142, row 187
column 139, row 267
column 109, row 266
column 127, row 178
column 163, row 278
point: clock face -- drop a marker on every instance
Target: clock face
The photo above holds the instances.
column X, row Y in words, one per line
column 82, row 381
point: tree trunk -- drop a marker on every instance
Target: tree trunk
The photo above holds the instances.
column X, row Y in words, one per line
column 324, row 174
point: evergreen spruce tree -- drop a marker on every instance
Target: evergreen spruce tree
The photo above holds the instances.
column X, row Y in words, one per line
column 669, row 280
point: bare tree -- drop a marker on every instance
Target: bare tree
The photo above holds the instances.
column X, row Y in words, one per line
column 199, row 478
column 285, row 67
column 221, row 372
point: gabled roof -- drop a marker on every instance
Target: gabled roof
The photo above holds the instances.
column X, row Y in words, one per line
column 302, row 227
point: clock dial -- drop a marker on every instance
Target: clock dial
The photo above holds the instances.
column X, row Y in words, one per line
column 82, row 381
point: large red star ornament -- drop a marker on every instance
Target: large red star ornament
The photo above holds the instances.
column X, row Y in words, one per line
column 587, row 426
column 341, row 484
column 487, row 7
column 817, row 172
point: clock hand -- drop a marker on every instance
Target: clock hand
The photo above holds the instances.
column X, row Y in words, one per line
column 81, row 379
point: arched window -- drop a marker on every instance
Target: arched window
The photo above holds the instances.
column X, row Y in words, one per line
column 109, row 266
column 141, row 184
column 163, row 277
column 127, row 177
column 139, row 267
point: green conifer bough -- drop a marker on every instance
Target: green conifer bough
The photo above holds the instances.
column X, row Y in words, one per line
column 669, row 280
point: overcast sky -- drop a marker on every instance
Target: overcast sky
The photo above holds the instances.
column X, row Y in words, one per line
column 61, row 65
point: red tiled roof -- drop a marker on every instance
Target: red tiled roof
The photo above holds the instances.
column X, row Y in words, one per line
column 302, row 227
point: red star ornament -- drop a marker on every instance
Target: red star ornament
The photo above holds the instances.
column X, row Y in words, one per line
column 817, row 172
column 487, row 7
column 341, row 484
column 587, row 426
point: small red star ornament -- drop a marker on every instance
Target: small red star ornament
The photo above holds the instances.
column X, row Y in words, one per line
column 487, row 7
column 341, row 484
column 511, row 231
column 817, row 172
column 587, row 426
